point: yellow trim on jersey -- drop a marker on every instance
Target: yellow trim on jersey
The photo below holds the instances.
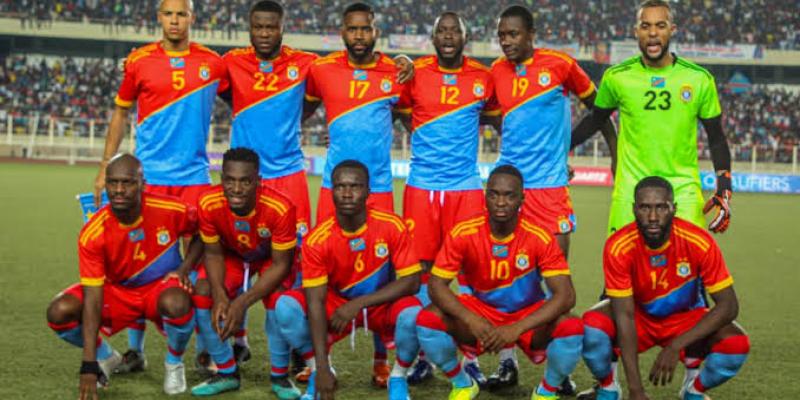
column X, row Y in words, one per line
column 309, row 283
column 274, row 204
column 166, row 249
column 619, row 292
column 693, row 238
column 312, row 98
column 95, row 227
column 162, row 108
column 284, row 246
column 492, row 113
column 321, row 232
column 587, row 92
column 177, row 204
column 209, row 239
column 477, row 65
column 443, row 273
column 404, row 111
column 123, row 103
column 134, row 224
column 503, row 240
column 440, row 116
column 206, row 200
column 529, row 99
column 410, row 270
column 357, row 232
column 178, row 53
column 279, row 92
column 94, row 282
column 361, row 106
column 623, row 242
column 539, row 232
column 382, row 216
column 467, row 226
column 723, row 284
column 555, row 272
column 556, row 53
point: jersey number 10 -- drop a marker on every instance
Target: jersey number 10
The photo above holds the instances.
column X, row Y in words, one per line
column 500, row 270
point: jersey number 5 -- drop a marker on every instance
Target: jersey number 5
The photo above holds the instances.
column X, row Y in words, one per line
column 178, row 79
column 664, row 104
column 271, row 81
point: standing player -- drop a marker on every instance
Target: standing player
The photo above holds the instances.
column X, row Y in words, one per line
column 503, row 256
column 358, row 270
column 532, row 87
column 173, row 83
column 661, row 97
column 442, row 107
column 130, row 268
column 657, row 271
column 247, row 229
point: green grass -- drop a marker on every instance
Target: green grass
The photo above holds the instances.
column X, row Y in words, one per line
column 40, row 222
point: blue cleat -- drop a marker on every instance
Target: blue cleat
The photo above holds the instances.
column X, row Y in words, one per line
column 603, row 394
column 284, row 388
column 310, row 389
column 217, row 384
column 421, row 372
column 398, row 388
column 474, row 371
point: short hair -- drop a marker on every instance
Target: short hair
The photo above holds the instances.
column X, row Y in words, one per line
column 655, row 3
column 191, row 5
column 358, row 7
column 517, row 10
column 267, row 6
column 461, row 23
column 654, row 182
column 506, row 169
column 354, row 164
column 241, row 154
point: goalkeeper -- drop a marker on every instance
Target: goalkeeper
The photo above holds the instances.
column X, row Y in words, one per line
column 660, row 98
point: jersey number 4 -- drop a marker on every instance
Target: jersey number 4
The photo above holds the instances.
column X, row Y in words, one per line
column 660, row 100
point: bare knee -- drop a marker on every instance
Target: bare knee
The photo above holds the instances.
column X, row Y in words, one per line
column 174, row 303
column 202, row 288
column 64, row 308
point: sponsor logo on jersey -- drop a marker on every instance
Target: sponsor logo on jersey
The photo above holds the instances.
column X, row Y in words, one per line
column 177, row 62
column 658, row 260
column 381, row 250
column 522, row 262
column 163, row 237
column 263, row 232
column 357, row 244
column 686, row 93
column 521, row 70
column 241, row 226
column 449, row 79
column 205, row 72
column 359, row 75
column 292, row 72
column 386, row 85
column 683, row 269
column 136, row 235
column 544, row 78
column 500, row 250
column 658, row 82
column 478, row 89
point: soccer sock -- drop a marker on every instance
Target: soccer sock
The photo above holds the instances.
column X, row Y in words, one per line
column 136, row 336
column 240, row 338
column 441, row 348
column 421, row 355
column 279, row 348
column 726, row 358
column 199, row 344
column 379, row 356
column 405, row 339
column 221, row 352
column 598, row 349
column 72, row 333
column 563, row 354
column 293, row 325
column 179, row 331
column 509, row 354
column 470, row 358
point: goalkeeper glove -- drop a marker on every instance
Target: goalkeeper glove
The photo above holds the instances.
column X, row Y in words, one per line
column 720, row 203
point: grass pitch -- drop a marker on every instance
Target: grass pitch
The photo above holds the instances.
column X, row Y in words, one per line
column 40, row 222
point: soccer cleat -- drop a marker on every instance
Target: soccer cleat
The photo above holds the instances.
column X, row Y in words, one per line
column 303, row 376
column 107, row 366
column 132, row 361
column 597, row 393
column 284, row 389
column 686, row 394
column 506, row 376
column 380, row 375
column 298, row 364
column 174, row 378
column 568, row 387
column 536, row 396
column 204, row 365
column 421, row 372
column 241, row 354
column 467, row 393
column 474, row 371
column 398, row 388
column 217, row 384
column 310, row 389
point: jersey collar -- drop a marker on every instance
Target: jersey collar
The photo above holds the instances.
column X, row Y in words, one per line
column 378, row 55
column 176, row 53
column 674, row 61
column 451, row 70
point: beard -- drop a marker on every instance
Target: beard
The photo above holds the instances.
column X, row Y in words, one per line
column 664, row 52
column 655, row 242
column 367, row 52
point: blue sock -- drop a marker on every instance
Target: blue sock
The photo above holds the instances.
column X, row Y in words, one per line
column 72, row 333
column 422, row 295
column 723, row 363
column 279, row 348
column 179, row 331
column 597, row 345
column 380, row 354
column 293, row 324
column 136, row 336
column 405, row 336
column 440, row 348
column 221, row 352
column 563, row 354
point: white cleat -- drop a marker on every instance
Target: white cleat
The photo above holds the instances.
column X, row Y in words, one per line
column 108, row 366
column 174, row 378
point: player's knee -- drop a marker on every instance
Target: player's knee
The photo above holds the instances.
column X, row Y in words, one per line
column 287, row 308
column 202, row 288
column 431, row 317
column 64, row 308
column 174, row 303
column 598, row 320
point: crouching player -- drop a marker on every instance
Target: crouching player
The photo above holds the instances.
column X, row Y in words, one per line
column 503, row 257
column 657, row 271
column 358, row 270
column 130, row 268
column 247, row 228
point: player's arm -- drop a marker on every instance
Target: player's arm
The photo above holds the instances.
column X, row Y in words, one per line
column 215, row 274
column 721, row 158
column 405, row 68
column 318, row 324
column 444, row 298
column 596, row 119
column 193, row 254
column 116, row 131
column 310, row 107
column 403, row 286
column 227, row 97
column 622, row 309
column 90, row 319
column 495, row 121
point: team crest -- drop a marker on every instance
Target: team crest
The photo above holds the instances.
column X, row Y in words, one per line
column 177, row 62
column 521, row 70
column 478, row 89
column 265, row 66
column 357, row 244
column 359, row 75
column 564, row 226
column 381, row 250
column 263, row 232
column 386, row 85
column 241, row 226
column 163, row 237
column 684, row 269
column 449, row 79
column 500, row 250
column 205, row 72
column 302, row 228
column 136, row 235
column 292, row 72
column 522, row 262
column 544, row 78
column 686, row 93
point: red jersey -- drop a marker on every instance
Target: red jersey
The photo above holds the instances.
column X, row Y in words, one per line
column 506, row 274
column 445, row 107
column 137, row 254
column 355, row 264
column 667, row 280
column 270, row 225
column 358, row 102
column 174, row 94
column 268, row 106
column 537, row 121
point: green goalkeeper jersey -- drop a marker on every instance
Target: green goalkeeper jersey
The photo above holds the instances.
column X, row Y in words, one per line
column 659, row 111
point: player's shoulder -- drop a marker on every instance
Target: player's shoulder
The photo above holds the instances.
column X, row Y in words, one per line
column 330, row 58
column 275, row 200
column 199, row 48
column 622, row 241
column 239, row 52
column 291, row 52
column 213, row 199
column 624, row 66
column 693, row 234
column 498, row 63
column 472, row 64
column 140, row 53
column 163, row 203
column 554, row 55
column 425, row 62
column 528, row 226
column 468, row 226
column 692, row 67
column 388, row 219
column 320, row 233
column 95, row 227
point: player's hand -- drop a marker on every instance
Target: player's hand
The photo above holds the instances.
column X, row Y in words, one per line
column 99, row 185
column 325, row 384
column 570, row 172
column 719, row 204
column 88, row 387
column 506, row 335
column 664, row 366
column 219, row 314
column 234, row 319
column 343, row 316
column 482, row 329
column 183, row 279
column 406, row 68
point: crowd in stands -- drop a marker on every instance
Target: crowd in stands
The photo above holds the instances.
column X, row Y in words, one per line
column 68, row 88
column 772, row 23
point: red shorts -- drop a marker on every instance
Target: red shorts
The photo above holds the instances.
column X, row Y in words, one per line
column 325, row 208
column 551, row 209
column 651, row 331
column 295, row 187
column 188, row 194
column 380, row 319
column 123, row 306
column 499, row 318
column 235, row 280
column 431, row 214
